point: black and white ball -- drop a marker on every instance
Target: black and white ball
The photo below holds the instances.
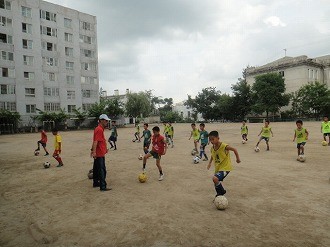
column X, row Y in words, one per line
column 46, row 165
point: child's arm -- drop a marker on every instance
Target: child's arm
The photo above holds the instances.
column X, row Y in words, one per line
column 247, row 130
column 165, row 145
column 191, row 133
column 306, row 134
column 59, row 147
column 210, row 163
column 260, row 132
column 229, row 148
column 271, row 132
column 294, row 136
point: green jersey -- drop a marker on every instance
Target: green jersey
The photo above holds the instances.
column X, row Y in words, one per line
column 204, row 136
column 301, row 135
column 266, row 131
column 325, row 127
column 244, row 130
column 147, row 135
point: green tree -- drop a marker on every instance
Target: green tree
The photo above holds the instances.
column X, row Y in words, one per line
column 138, row 105
column 268, row 93
column 97, row 109
column 57, row 117
column 224, row 107
column 242, row 99
column 114, row 107
column 80, row 116
column 8, row 117
column 312, row 99
column 172, row 117
column 166, row 109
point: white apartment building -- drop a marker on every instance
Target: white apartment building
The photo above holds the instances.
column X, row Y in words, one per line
column 48, row 58
column 297, row 71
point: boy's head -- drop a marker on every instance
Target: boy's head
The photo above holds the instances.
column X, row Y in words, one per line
column 214, row 137
column 299, row 123
column 193, row 126
column 202, row 126
column 266, row 122
column 325, row 119
column 113, row 122
column 156, row 130
column 145, row 126
column 243, row 122
column 54, row 131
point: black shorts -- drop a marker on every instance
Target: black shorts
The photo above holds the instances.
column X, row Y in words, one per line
column 113, row 138
column 157, row 156
column 43, row 144
column 326, row 134
column 300, row 144
column 146, row 145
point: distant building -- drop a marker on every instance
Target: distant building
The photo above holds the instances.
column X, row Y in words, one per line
column 48, row 58
column 297, row 71
column 185, row 112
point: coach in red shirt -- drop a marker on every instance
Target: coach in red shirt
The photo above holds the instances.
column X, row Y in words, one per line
column 98, row 151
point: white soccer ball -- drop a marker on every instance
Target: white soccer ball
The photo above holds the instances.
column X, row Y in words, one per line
column 221, row 202
column 243, row 141
column 140, row 157
column 196, row 159
column 36, row 153
column 257, row 149
column 302, row 158
column 46, row 164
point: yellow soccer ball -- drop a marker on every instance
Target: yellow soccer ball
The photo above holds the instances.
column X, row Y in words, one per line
column 324, row 143
column 142, row 178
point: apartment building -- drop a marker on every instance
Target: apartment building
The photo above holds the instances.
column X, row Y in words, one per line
column 48, row 58
column 297, row 71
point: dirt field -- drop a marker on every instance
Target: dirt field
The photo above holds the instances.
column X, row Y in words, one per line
column 273, row 199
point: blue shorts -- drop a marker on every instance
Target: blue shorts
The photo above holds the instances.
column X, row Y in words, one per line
column 300, row 144
column 221, row 175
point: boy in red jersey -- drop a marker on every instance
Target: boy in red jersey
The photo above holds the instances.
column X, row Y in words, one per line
column 43, row 141
column 159, row 147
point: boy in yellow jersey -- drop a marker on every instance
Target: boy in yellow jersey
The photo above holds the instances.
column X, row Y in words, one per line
column 165, row 132
column 265, row 134
column 58, row 147
column 137, row 133
column 195, row 135
column 170, row 134
column 325, row 129
column 222, row 163
column 302, row 136
column 244, row 131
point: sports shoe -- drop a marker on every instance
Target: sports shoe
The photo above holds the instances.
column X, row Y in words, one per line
column 59, row 165
column 106, row 189
column 161, row 177
column 205, row 159
column 144, row 170
column 46, row 154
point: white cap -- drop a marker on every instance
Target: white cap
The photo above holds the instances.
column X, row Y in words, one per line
column 104, row 116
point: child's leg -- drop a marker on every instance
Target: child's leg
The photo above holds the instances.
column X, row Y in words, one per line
column 110, row 142
column 267, row 143
column 38, row 144
column 298, row 148
column 56, row 156
column 201, row 151
column 114, row 143
column 259, row 141
column 145, row 157
column 218, row 187
column 159, row 167
column 44, row 146
column 195, row 143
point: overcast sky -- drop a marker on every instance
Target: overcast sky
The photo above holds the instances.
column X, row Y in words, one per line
column 178, row 47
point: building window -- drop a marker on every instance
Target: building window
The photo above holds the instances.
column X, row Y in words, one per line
column 48, row 46
column 88, row 93
column 86, row 26
column 71, row 94
column 26, row 28
column 7, row 56
column 68, row 37
column 86, row 39
column 4, row 38
column 5, row 5
column 86, row 107
column 46, row 15
column 26, row 12
column 28, row 60
column 48, row 31
column 88, row 66
column 10, row 106
column 7, row 89
column 87, row 53
column 28, row 76
column 50, row 61
column 5, row 21
column 70, row 79
column 88, row 80
column 67, row 23
column 71, row 108
column 30, row 108
column 49, row 76
column 69, row 65
column 69, row 51
column 27, row 44
column 52, row 107
column 6, row 72
column 30, row 92
column 51, row 91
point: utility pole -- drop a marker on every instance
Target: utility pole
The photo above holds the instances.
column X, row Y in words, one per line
column 284, row 52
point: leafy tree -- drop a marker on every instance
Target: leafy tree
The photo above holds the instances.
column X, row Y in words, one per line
column 57, row 117
column 80, row 117
column 242, row 100
column 97, row 109
column 172, row 117
column 224, row 107
column 138, row 104
column 8, row 117
column 164, row 111
column 204, row 103
column 268, row 93
column 114, row 107
column 312, row 100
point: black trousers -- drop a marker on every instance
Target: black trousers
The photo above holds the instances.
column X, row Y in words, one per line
column 99, row 173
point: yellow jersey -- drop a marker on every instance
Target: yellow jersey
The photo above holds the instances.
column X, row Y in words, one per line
column 195, row 134
column 325, row 127
column 301, row 135
column 266, row 131
column 57, row 141
column 244, row 129
column 221, row 158
column 170, row 130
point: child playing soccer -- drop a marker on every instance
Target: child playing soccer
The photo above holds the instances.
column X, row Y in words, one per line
column 58, row 147
column 137, row 133
column 170, row 134
column 159, row 147
column 244, row 131
column 204, row 137
column 222, row 163
column 42, row 141
column 113, row 136
column 265, row 134
column 195, row 134
column 325, row 129
column 302, row 136
column 146, row 134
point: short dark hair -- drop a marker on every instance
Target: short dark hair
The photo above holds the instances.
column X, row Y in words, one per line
column 202, row 124
column 193, row 124
column 156, row 128
column 244, row 121
column 146, row 124
column 299, row 121
column 214, row 133
column 325, row 116
column 113, row 121
column 54, row 130
column 267, row 121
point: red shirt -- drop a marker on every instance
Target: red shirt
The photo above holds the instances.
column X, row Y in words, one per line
column 101, row 148
column 158, row 144
column 43, row 137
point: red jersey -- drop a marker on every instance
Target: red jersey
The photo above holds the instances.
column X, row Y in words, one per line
column 101, row 148
column 43, row 137
column 158, row 144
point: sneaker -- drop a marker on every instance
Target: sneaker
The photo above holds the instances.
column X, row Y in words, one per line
column 37, row 149
column 46, row 154
column 59, row 165
column 161, row 177
column 205, row 159
column 144, row 170
column 106, row 189
column 298, row 159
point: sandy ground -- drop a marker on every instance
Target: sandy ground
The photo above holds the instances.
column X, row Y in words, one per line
column 273, row 199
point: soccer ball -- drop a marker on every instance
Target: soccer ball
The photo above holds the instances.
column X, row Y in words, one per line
column 196, row 159
column 257, row 149
column 243, row 141
column 221, row 202
column 140, row 157
column 324, row 143
column 193, row 152
column 90, row 174
column 142, row 177
column 302, row 158
column 46, row 164
column 36, row 153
